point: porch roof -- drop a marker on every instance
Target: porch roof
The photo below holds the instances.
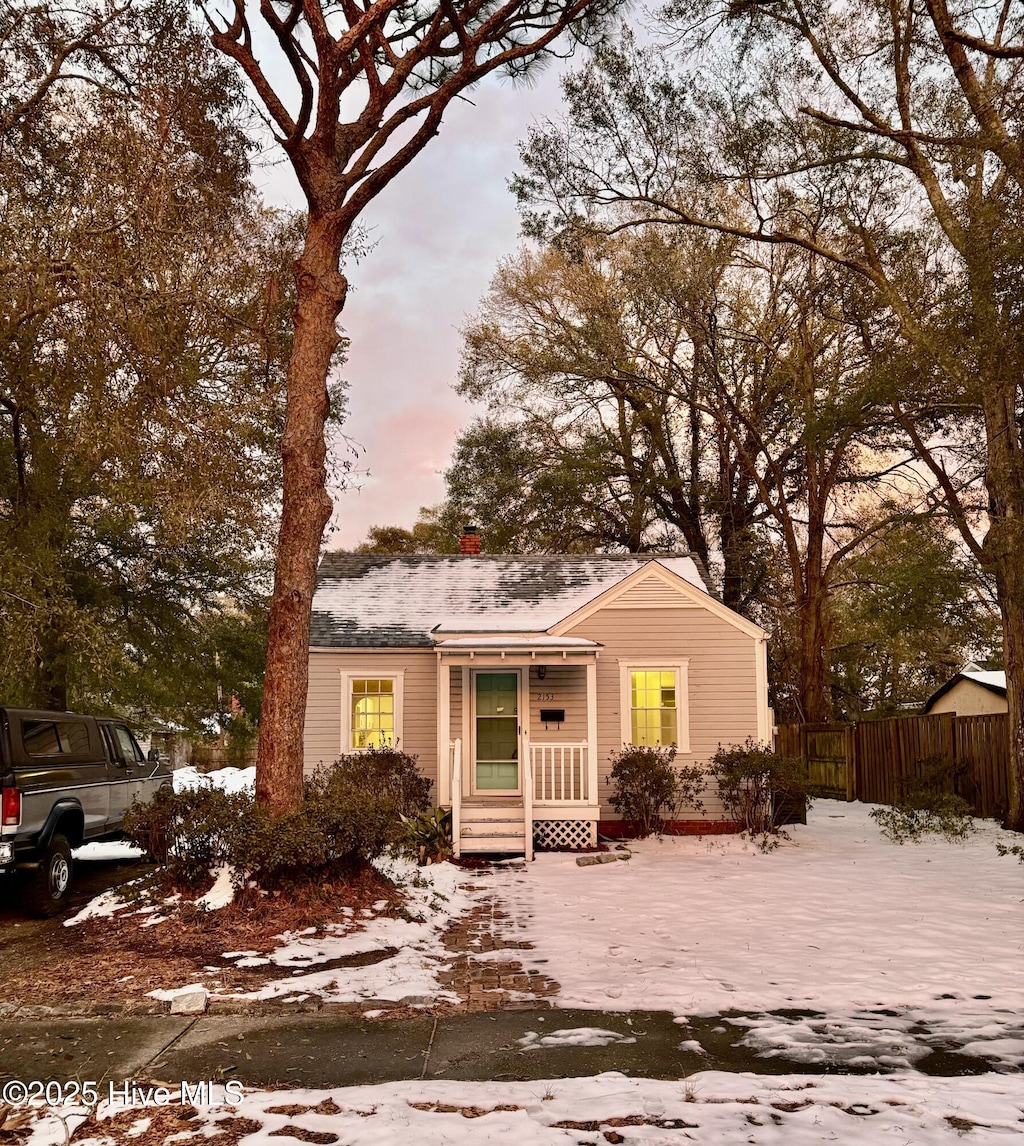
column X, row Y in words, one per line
column 530, row 645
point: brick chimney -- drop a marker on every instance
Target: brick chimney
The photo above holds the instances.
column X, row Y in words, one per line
column 469, row 542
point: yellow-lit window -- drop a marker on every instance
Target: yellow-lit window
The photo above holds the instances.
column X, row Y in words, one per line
column 653, row 710
column 373, row 713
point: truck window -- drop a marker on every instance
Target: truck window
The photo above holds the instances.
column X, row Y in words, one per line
column 124, row 738
column 40, row 737
column 54, row 737
column 74, row 736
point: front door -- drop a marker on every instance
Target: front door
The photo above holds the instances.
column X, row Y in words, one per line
column 496, row 733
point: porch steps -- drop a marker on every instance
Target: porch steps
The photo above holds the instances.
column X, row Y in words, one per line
column 491, row 827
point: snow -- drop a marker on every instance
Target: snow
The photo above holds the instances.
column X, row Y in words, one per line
column 465, row 595
column 410, row 949
column 573, row 1037
column 229, row 779
column 707, row 1108
column 105, row 904
column 838, row 921
column 998, row 679
column 839, row 948
column 110, row 850
column 222, row 892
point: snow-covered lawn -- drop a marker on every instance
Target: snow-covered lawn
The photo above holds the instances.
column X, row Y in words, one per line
column 871, row 955
column 709, row 1108
column 837, row 921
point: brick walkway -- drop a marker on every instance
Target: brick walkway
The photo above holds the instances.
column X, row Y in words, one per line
column 482, row 981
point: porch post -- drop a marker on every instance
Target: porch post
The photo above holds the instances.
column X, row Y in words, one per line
column 444, row 731
column 592, row 731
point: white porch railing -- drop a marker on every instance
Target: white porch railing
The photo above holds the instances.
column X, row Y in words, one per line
column 527, row 780
column 560, row 773
column 457, row 797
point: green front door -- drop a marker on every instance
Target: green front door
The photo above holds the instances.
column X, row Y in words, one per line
column 497, row 732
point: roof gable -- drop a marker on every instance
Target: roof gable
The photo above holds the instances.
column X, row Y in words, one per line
column 659, row 585
column 991, row 681
column 373, row 601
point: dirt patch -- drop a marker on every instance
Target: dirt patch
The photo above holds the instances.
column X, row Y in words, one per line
column 119, row 959
column 155, row 1125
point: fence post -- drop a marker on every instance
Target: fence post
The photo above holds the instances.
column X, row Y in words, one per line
column 850, row 747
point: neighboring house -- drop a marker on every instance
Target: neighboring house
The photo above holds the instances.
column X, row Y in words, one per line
column 971, row 692
column 514, row 679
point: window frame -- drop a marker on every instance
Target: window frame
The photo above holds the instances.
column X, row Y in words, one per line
column 681, row 668
column 396, row 676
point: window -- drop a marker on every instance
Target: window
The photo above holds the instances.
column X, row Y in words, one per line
column 372, row 711
column 74, row 736
column 41, row 737
column 129, row 751
column 655, row 711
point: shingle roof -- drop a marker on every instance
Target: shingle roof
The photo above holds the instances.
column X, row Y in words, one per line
column 375, row 601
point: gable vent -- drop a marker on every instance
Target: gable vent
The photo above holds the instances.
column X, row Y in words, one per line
column 653, row 593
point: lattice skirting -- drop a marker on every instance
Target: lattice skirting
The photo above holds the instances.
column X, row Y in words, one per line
column 564, row 835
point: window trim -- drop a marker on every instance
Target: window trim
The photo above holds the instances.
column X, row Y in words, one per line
column 681, row 668
column 397, row 676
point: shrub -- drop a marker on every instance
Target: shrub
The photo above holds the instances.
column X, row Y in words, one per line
column 927, row 806
column 755, row 784
column 428, row 835
column 350, row 813
column 189, row 831
column 647, row 783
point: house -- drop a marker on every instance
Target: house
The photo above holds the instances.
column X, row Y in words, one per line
column 972, row 692
column 514, row 679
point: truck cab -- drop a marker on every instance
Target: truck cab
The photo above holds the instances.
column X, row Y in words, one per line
column 65, row 779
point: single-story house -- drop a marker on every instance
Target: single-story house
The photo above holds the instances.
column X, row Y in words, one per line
column 971, row 692
column 514, row 679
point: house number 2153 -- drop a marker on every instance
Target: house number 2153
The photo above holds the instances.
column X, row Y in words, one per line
column 545, row 696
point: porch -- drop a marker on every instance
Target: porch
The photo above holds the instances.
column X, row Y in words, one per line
column 517, row 725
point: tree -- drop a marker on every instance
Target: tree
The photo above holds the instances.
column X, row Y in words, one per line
column 903, row 118
column 47, row 45
column 142, row 337
column 353, row 95
column 729, row 398
column 428, row 535
column 911, row 610
column 540, row 481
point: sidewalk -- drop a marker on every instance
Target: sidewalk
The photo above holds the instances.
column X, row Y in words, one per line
column 319, row 1050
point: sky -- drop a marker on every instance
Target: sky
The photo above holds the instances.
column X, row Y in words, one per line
column 440, row 229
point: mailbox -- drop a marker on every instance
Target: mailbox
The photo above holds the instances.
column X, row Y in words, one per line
column 552, row 715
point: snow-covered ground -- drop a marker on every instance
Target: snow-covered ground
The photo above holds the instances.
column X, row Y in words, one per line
column 837, row 921
column 872, row 955
column 710, row 1108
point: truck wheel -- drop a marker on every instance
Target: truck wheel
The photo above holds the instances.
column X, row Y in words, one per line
column 48, row 887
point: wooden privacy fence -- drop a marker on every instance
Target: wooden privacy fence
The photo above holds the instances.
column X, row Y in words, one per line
column 872, row 760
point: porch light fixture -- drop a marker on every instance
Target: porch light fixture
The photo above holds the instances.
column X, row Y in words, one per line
column 542, row 671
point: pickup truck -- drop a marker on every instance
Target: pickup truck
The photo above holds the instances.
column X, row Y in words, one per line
column 65, row 780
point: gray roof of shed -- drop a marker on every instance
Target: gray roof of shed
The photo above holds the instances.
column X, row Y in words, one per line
column 377, row 601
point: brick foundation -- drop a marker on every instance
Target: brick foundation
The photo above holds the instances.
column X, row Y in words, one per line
column 623, row 829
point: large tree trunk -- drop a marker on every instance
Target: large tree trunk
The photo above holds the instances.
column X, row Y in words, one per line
column 815, row 690
column 816, row 601
column 1011, row 600
column 304, row 514
column 1004, row 550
